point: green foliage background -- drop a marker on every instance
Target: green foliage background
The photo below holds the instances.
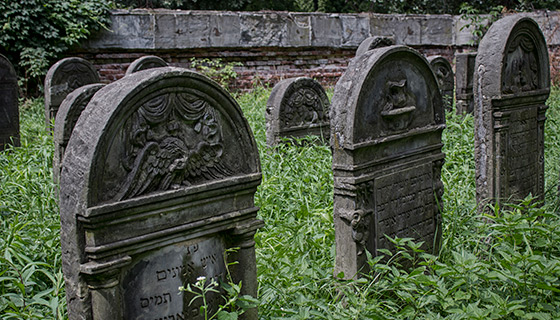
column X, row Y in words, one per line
column 34, row 33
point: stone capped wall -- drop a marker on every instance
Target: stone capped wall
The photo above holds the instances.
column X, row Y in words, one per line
column 272, row 46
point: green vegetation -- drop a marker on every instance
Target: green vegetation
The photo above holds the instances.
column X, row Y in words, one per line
column 505, row 266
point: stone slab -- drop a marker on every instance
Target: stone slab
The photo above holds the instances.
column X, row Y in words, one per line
column 145, row 62
column 9, row 109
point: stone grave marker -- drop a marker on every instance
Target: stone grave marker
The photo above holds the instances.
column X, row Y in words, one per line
column 9, row 110
column 446, row 79
column 387, row 121
column 464, row 71
column 64, row 77
column 146, row 62
column 374, row 43
column 297, row 107
column 511, row 85
column 70, row 110
column 157, row 182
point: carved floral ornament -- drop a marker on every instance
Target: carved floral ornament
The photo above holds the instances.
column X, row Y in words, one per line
column 305, row 106
column 172, row 140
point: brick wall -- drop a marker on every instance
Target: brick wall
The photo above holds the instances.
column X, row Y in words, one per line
column 270, row 46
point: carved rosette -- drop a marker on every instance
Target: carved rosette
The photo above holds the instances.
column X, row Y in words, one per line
column 158, row 156
column 304, row 107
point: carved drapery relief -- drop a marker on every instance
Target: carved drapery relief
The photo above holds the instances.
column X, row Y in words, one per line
column 72, row 75
column 172, row 140
column 304, row 107
column 521, row 68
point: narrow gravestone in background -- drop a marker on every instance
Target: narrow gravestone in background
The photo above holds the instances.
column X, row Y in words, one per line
column 446, row 79
column 296, row 108
column 387, row 121
column 157, row 181
column 374, row 43
column 511, row 85
column 146, row 62
column 9, row 111
column 62, row 78
column 464, row 71
column 66, row 118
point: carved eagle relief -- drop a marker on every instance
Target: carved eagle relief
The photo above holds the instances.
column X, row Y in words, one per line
column 171, row 141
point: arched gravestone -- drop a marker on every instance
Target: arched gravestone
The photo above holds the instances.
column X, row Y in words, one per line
column 446, row 79
column 297, row 107
column 374, row 43
column 64, row 77
column 66, row 118
column 464, row 71
column 512, row 83
column 146, row 62
column 9, row 111
column 157, row 181
column 387, row 121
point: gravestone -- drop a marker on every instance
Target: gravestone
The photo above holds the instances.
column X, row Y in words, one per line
column 297, row 107
column 387, row 121
column 64, row 77
column 511, row 85
column 157, row 182
column 374, row 43
column 146, row 62
column 66, row 117
column 446, row 79
column 9, row 111
column 464, row 71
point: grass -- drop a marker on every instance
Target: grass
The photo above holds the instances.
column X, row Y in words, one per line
column 505, row 266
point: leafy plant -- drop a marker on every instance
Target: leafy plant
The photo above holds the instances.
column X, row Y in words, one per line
column 216, row 69
column 477, row 22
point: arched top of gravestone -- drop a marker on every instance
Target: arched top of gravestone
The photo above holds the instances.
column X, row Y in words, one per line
column 64, row 77
column 374, row 43
column 146, row 62
column 161, row 130
column 384, row 93
column 298, row 101
column 9, row 73
column 513, row 58
column 444, row 72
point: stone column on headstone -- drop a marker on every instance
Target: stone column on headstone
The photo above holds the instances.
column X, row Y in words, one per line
column 387, row 119
column 157, row 182
column 511, row 85
column 145, row 62
column 64, row 77
column 296, row 108
column 446, row 79
column 9, row 110
column 464, row 71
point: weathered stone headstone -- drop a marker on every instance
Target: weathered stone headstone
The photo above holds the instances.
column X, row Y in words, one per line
column 66, row 118
column 464, row 71
column 446, row 79
column 146, row 62
column 64, row 77
column 297, row 107
column 387, row 121
column 9, row 111
column 374, row 43
column 511, row 85
column 157, row 181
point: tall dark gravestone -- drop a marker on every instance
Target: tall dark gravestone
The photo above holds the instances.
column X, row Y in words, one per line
column 446, row 79
column 157, row 182
column 66, row 118
column 386, row 124
column 297, row 107
column 64, row 77
column 464, row 71
column 9, row 111
column 511, row 85
column 374, row 43
column 146, row 62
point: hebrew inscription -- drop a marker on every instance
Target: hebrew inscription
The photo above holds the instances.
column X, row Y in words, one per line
column 151, row 285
